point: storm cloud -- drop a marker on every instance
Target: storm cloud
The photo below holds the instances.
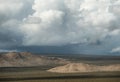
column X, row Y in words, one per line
column 61, row 22
column 12, row 13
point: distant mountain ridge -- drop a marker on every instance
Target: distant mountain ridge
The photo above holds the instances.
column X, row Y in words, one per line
column 24, row 59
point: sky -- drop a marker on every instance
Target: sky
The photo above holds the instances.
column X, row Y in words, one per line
column 60, row 26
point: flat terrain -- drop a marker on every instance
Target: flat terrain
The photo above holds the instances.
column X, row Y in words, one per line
column 37, row 74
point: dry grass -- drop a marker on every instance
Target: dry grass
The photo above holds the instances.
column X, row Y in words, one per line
column 75, row 80
column 42, row 76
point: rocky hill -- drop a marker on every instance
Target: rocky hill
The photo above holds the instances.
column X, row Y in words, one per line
column 24, row 59
column 81, row 67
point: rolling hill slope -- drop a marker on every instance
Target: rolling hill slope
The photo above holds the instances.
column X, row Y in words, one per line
column 24, row 59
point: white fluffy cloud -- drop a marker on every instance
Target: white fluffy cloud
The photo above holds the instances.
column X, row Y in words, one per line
column 60, row 22
column 116, row 50
column 71, row 21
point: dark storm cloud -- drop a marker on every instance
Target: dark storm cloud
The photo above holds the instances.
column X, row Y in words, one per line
column 12, row 12
column 61, row 22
